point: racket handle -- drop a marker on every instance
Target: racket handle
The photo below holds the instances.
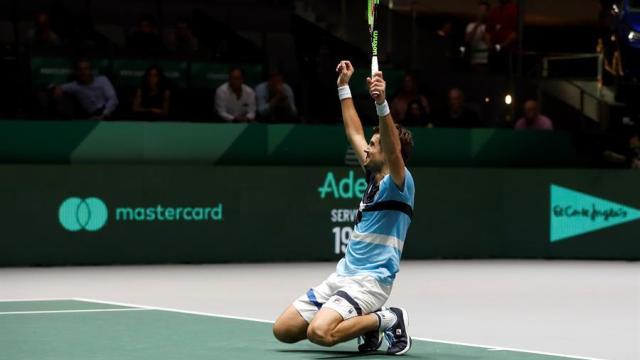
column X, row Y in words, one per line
column 374, row 69
column 374, row 65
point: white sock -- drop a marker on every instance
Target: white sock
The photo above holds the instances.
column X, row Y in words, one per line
column 386, row 319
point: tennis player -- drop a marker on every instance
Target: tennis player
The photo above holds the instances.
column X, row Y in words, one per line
column 349, row 304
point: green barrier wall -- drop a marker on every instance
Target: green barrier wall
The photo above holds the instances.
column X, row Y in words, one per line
column 210, row 76
column 128, row 72
column 256, row 144
column 57, row 70
column 55, row 215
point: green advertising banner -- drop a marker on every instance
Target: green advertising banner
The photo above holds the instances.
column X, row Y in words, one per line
column 75, row 214
column 46, row 71
column 129, row 72
column 210, row 75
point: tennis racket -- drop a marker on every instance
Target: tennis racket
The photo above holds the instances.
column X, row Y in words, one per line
column 372, row 11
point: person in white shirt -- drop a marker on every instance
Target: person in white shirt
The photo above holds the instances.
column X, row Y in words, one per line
column 475, row 36
column 235, row 101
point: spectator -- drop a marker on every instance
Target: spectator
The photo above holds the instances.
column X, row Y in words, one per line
column 181, row 41
column 532, row 119
column 458, row 115
column 145, row 38
column 437, row 57
column 409, row 93
column 621, row 151
column 276, row 102
column 235, row 101
column 634, row 145
column 501, row 35
column 94, row 94
column 613, row 74
column 416, row 115
column 41, row 37
column 612, row 60
column 153, row 98
column 443, row 37
column 475, row 38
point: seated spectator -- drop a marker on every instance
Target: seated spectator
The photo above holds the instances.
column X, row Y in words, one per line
column 458, row 115
column 416, row 115
column 235, row 101
column 41, row 37
column 94, row 94
column 275, row 100
column 145, row 38
column 153, row 98
column 408, row 94
column 181, row 41
column 532, row 119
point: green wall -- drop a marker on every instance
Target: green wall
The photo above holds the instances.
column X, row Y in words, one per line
column 278, row 214
column 82, row 142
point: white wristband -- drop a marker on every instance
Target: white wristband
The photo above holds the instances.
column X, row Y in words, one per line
column 383, row 110
column 344, row 92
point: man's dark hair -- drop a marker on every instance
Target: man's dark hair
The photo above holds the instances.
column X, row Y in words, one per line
column 146, row 18
column 80, row 60
column 484, row 3
column 183, row 20
column 236, row 68
column 406, row 141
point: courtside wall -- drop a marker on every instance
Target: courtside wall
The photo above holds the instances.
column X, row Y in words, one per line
column 127, row 214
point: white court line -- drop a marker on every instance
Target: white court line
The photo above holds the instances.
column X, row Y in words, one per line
column 66, row 311
column 173, row 310
column 488, row 347
column 497, row 348
column 33, row 300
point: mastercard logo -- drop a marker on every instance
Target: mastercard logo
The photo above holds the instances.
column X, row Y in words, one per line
column 76, row 214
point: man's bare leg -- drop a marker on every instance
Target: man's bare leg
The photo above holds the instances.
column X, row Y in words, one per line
column 290, row 327
column 328, row 328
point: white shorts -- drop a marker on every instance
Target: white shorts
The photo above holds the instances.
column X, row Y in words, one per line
column 350, row 296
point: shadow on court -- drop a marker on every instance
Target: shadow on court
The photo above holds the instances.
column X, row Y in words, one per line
column 336, row 354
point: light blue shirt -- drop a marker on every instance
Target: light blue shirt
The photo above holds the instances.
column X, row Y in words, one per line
column 262, row 97
column 95, row 96
column 376, row 244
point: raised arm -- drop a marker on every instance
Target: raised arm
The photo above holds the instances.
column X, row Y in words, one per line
column 352, row 125
column 389, row 138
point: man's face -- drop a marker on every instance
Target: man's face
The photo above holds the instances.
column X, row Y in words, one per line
column 483, row 11
column 409, row 85
column 447, row 28
column 374, row 157
column 276, row 82
column 456, row 100
column 236, row 80
column 182, row 29
column 634, row 144
column 154, row 77
column 531, row 110
column 414, row 110
column 42, row 21
column 83, row 72
column 146, row 27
